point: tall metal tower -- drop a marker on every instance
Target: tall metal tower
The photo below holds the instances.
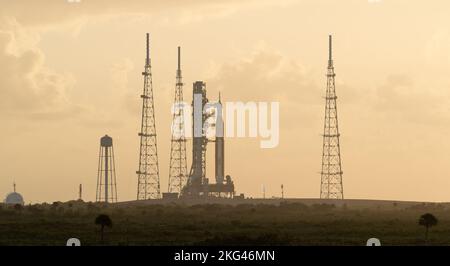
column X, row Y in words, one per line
column 106, row 177
column 197, row 175
column 331, row 174
column 178, row 162
column 148, row 173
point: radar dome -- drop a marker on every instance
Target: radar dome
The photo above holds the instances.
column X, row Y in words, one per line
column 14, row 198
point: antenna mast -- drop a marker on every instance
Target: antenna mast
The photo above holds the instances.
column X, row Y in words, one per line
column 178, row 161
column 331, row 174
column 148, row 173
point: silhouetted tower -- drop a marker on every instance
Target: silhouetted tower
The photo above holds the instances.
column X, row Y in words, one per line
column 106, row 177
column 331, row 174
column 178, row 162
column 148, row 173
column 80, row 192
column 197, row 175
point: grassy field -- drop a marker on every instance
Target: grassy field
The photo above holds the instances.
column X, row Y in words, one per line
column 220, row 224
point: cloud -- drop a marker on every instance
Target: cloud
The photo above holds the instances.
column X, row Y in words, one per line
column 266, row 75
column 50, row 12
column 120, row 73
column 436, row 49
column 269, row 76
column 399, row 98
column 27, row 85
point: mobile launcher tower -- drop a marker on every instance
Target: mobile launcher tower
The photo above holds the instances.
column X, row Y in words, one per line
column 203, row 112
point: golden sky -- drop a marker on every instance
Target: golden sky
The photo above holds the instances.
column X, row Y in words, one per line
column 71, row 72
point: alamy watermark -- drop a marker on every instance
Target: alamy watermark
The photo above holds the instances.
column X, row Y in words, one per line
column 242, row 120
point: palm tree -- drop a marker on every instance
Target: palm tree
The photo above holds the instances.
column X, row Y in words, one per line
column 428, row 220
column 104, row 221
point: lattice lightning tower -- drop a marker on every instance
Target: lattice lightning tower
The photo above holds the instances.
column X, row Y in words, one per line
column 331, row 174
column 178, row 162
column 148, row 173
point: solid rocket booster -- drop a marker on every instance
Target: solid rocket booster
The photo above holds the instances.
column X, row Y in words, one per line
column 220, row 146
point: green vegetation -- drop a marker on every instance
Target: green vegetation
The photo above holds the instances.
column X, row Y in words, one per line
column 215, row 224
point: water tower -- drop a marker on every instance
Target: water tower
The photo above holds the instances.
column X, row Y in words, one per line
column 106, row 177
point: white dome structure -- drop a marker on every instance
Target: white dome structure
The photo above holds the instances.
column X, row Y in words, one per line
column 14, row 198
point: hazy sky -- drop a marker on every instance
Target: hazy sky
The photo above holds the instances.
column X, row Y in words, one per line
column 71, row 72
